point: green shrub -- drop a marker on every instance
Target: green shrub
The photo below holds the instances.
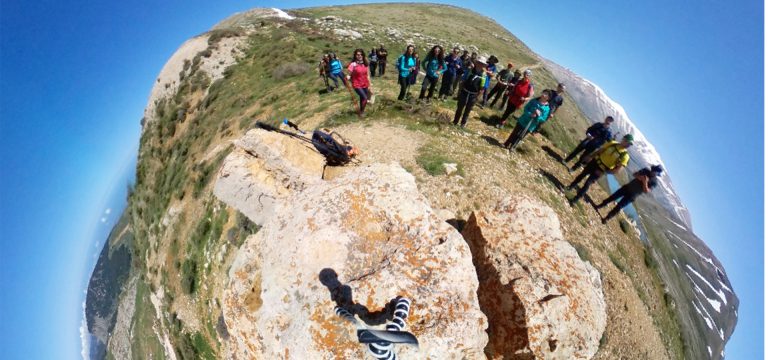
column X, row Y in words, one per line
column 432, row 162
column 616, row 262
column 189, row 276
column 583, row 252
column 216, row 35
column 625, row 226
column 650, row 262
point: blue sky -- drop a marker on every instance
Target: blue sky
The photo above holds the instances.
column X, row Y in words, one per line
column 75, row 76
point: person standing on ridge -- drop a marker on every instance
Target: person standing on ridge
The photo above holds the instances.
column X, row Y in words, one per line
column 336, row 71
column 644, row 180
column 434, row 65
column 597, row 135
column 468, row 92
column 415, row 72
column 535, row 113
column 460, row 71
column 372, row 60
column 406, row 63
column 611, row 158
column 452, row 66
column 518, row 95
column 502, row 82
column 358, row 73
column 323, row 68
column 505, row 98
column 381, row 54
column 467, row 65
column 556, row 98
column 490, row 72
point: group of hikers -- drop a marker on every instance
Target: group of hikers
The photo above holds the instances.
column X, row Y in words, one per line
column 467, row 78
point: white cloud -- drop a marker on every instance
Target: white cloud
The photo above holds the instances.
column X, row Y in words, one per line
column 108, row 211
column 103, row 219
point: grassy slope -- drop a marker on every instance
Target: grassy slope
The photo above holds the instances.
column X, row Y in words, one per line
column 171, row 170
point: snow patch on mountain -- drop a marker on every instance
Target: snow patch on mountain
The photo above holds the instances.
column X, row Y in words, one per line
column 596, row 105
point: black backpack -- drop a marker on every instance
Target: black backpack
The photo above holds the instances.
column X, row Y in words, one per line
column 335, row 152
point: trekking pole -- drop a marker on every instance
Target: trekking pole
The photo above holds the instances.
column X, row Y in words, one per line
column 294, row 126
column 351, row 94
column 525, row 132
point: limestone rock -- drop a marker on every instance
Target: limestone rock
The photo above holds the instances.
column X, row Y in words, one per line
column 265, row 168
column 541, row 299
column 351, row 34
column 450, row 168
column 358, row 240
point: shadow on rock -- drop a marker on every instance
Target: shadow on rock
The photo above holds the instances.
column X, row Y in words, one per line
column 507, row 327
column 341, row 294
column 458, row 224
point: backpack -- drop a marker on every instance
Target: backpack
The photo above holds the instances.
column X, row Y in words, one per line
column 399, row 61
column 335, row 152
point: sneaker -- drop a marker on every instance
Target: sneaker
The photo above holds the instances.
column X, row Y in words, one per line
column 603, row 220
column 499, row 126
column 571, row 203
column 372, row 100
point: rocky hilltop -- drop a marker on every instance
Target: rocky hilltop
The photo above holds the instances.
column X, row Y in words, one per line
column 245, row 243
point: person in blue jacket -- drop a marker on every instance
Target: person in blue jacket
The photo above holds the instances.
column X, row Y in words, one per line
column 469, row 90
column 597, row 135
column 336, row 71
column 434, row 65
column 535, row 113
column 452, row 66
column 490, row 72
column 406, row 63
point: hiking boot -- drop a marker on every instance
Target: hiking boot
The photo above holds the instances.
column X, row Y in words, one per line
column 603, row 220
column 571, row 203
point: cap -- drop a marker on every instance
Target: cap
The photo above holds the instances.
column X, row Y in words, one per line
column 482, row 60
column 509, row 65
column 527, row 72
column 657, row 169
column 629, row 138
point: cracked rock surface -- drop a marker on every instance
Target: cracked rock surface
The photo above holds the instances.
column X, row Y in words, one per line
column 358, row 240
column 541, row 299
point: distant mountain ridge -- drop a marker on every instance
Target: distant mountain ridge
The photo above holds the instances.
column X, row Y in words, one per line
column 596, row 105
column 688, row 267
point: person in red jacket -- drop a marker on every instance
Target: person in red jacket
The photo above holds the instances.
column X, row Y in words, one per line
column 518, row 95
column 358, row 73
